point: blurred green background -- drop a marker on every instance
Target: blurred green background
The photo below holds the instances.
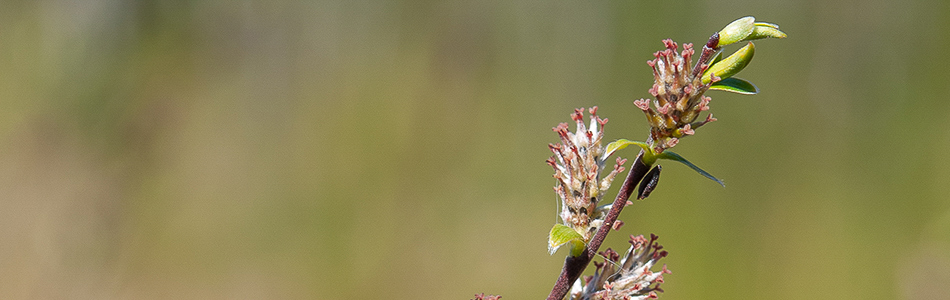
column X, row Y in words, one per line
column 395, row 149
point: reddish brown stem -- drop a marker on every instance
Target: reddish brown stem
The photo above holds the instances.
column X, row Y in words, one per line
column 711, row 46
column 574, row 266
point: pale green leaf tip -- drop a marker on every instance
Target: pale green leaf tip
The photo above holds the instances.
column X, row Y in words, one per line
column 746, row 29
column 648, row 156
column 736, row 31
column 766, row 30
column 616, row 145
column 766, row 24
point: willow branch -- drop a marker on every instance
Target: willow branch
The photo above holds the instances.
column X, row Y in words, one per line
column 574, row 266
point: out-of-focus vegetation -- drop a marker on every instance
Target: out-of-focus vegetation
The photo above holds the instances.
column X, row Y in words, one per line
column 395, row 149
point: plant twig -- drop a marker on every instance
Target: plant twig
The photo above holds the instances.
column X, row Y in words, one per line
column 574, row 266
column 711, row 46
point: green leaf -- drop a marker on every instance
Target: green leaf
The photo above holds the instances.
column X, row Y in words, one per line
column 766, row 24
column 765, row 30
column 562, row 234
column 736, row 31
column 730, row 65
column 716, row 58
column 670, row 155
column 649, row 157
column 735, row 85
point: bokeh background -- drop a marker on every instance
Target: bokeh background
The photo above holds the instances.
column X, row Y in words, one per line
column 395, row 149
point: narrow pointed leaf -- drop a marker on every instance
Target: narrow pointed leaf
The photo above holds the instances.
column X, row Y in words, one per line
column 648, row 156
column 676, row 157
column 735, row 85
column 730, row 65
column 562, row 234
column 765, row 30
column 766, row 24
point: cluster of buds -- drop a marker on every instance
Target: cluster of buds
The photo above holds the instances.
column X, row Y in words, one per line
column 629, row 277
column 679, row 96
column 578, row 162
column 679, row 88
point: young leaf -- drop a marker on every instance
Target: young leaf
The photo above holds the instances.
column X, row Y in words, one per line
column 735, row 85
column 731, row 65
column 560, row 235
column 765, row 24
column 765, row 30
column 736, row 31
column 648, row 155
column 676, row 157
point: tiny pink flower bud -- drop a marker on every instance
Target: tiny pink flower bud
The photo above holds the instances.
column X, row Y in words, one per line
column 671, row 142
column 643, row 104
column 686, row 130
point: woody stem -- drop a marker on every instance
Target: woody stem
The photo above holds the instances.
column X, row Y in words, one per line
column 708, row 49
column 575, row 265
